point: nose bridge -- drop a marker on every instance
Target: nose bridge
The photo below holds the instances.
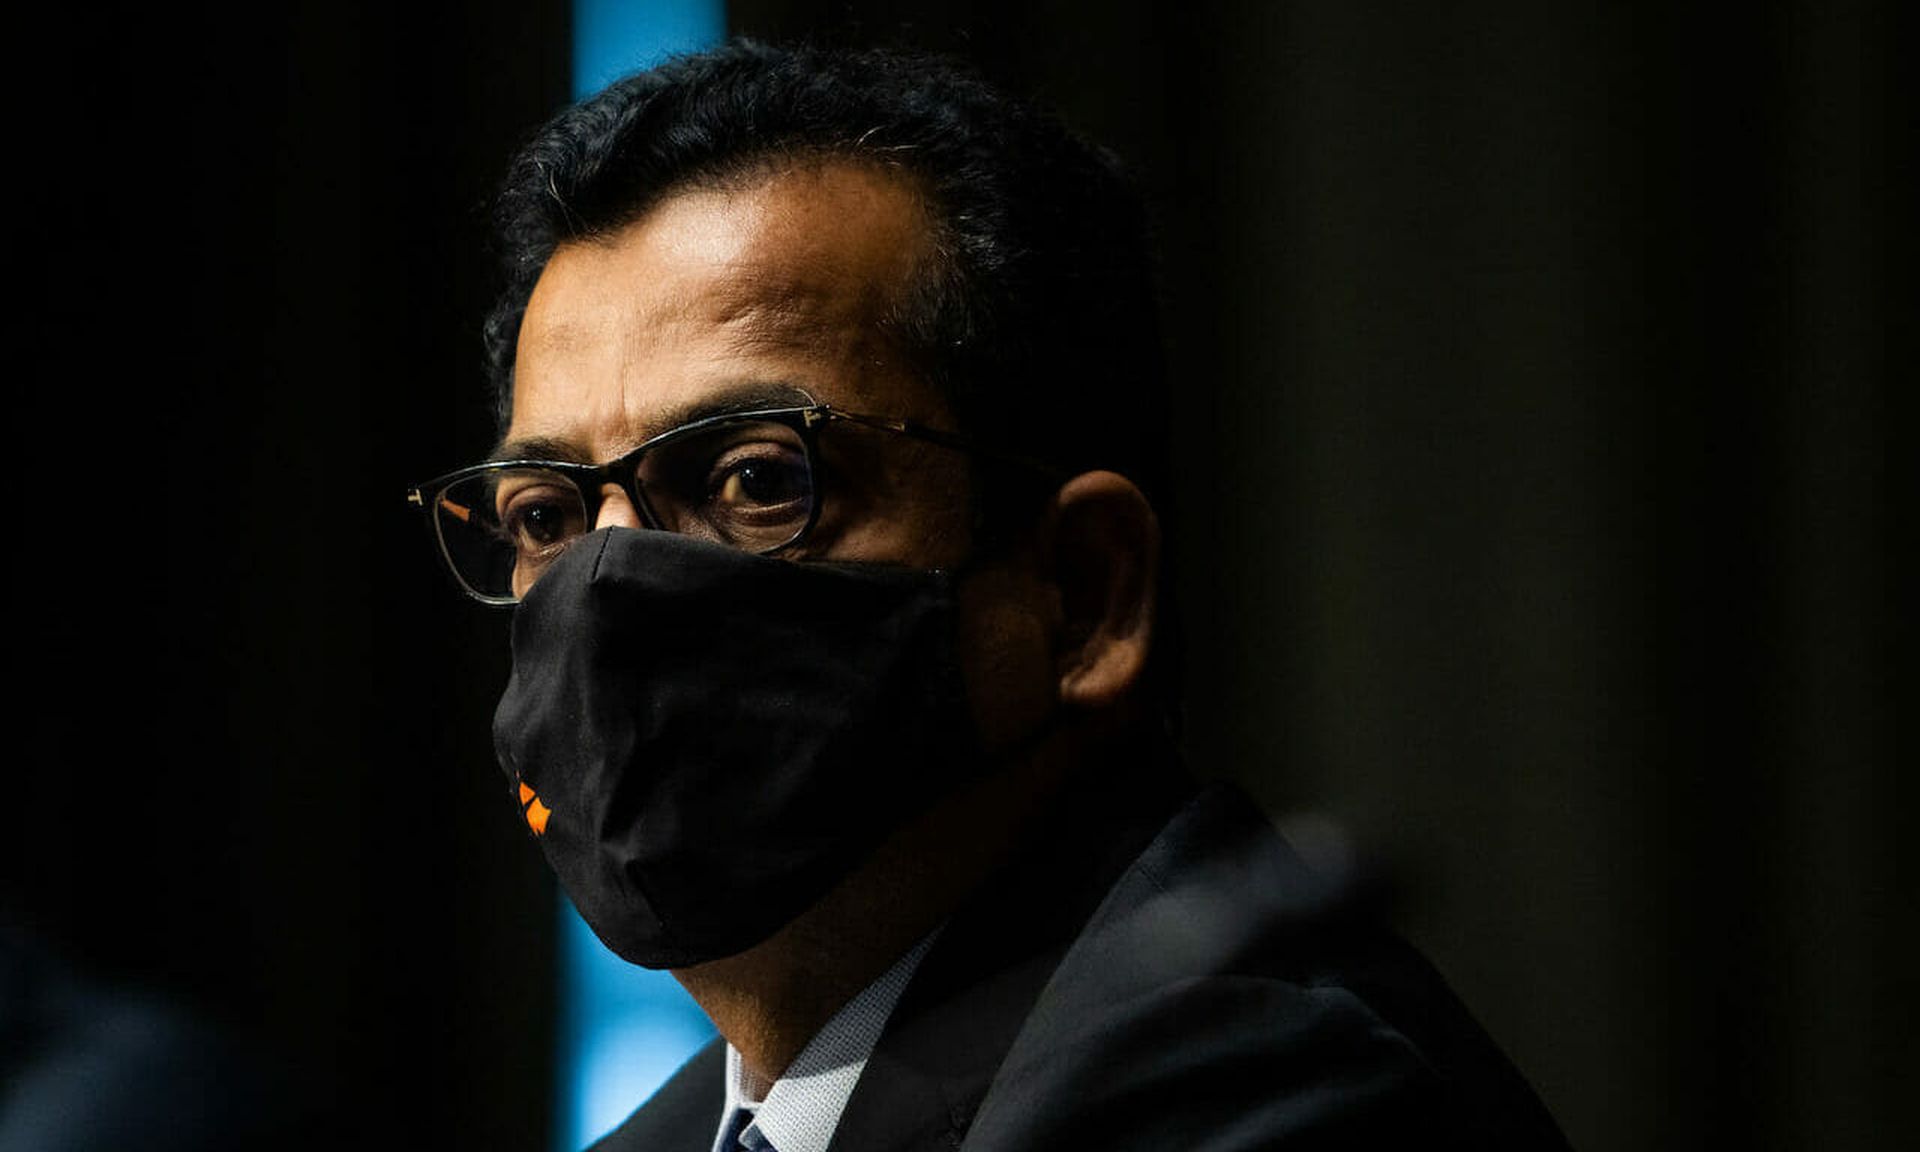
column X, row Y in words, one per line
column 616, row 509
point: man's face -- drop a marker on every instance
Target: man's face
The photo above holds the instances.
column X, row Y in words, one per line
column 763, row 295
column 750, row 297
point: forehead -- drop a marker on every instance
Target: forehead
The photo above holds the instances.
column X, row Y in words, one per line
column 782, row 282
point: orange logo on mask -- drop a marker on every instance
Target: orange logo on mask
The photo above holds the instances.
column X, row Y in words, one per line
column 536, row 812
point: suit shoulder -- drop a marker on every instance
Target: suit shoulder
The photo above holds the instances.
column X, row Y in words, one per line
column 1225, row 996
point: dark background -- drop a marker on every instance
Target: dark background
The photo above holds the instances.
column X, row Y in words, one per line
column 1535, row 374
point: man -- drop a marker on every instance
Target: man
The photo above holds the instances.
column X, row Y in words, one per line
column 830, row 386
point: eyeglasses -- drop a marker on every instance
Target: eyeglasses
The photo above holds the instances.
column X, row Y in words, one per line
column 748, row 480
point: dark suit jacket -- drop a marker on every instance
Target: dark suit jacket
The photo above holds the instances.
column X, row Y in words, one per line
column 1164, row 973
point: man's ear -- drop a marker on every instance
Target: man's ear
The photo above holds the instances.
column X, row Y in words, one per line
column 1105, row 552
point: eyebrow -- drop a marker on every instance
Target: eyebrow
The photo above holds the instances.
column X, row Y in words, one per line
column 749, row 396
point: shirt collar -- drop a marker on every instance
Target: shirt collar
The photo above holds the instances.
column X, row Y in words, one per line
column 799, row 1111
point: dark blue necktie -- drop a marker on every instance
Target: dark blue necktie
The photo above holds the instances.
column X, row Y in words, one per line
column 740, row 1134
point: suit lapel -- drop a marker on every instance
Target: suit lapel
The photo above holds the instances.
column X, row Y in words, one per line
column 950, row 1032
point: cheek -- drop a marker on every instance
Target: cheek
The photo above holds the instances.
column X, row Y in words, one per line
column 933, row 503
column 903, row 507
column 1007, row 627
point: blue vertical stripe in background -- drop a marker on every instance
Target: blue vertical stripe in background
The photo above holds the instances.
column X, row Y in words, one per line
column 612, row 38
column 622, row 1029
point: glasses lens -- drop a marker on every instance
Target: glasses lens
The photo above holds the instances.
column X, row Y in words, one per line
column 503, row 527
column 747, row 484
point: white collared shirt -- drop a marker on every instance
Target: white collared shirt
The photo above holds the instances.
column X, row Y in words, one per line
column 799, row 1111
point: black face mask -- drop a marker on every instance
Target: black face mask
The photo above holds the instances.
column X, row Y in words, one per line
column 706, row 741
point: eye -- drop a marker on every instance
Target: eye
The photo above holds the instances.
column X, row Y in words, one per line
column 537, row 516
column 744, row 483
column 757, row 479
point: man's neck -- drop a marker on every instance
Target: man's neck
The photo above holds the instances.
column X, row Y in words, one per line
column 770, row 1000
